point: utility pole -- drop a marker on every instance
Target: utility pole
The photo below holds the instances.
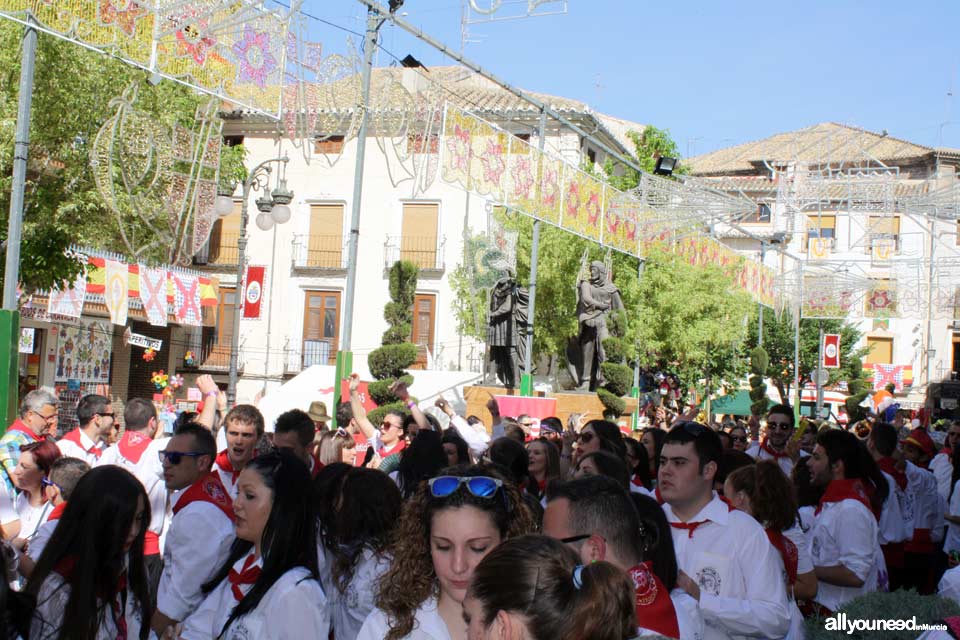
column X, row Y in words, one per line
column 526, row 380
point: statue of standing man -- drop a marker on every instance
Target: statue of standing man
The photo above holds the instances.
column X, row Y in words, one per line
column 507, row 328
column 596, row 297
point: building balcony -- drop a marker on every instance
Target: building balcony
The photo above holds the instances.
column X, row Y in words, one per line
column 424, row 251
column 320, row 253
column 308, row 353
column 221, row 252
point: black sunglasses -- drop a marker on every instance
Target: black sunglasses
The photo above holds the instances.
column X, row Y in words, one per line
column 575, row 538
column 175, row 457
column 110, row 415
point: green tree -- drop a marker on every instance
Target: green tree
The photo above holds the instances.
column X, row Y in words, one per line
column 778, row 341
column 648, row 145
column 389, row 362
column 73, row 88
column 691, row 320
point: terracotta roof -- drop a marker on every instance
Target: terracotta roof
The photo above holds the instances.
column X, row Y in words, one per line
column 764, row 186
column 818, row 144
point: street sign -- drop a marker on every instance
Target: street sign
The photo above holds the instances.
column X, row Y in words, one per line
column 820, row 377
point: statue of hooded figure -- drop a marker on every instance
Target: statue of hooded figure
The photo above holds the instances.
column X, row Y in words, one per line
column 507, row 327
column 596, row 297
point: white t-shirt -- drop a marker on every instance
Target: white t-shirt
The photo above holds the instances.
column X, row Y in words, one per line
column 893, row 526
column 922, row 507
column 942, row 468
column 149, row 471
column 31, row 517
column 785, row 462
column 8, row 511
column 428, row 625
column 845, row 532
column 293, row 608
column 952, row 543
column 52, row 600
column 88, row 451
column 949, row 586
column 197, row 544
column 349, row 610
column 740, row 574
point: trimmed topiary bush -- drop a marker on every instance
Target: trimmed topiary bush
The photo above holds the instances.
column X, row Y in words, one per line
column 391, row 360
column 615, row 405
column 617, row 376
column 898, row 605
column 759, row 361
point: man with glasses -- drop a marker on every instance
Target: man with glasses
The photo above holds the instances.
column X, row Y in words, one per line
column 942, row 463
column 776, row 445
column 86, row 442
column 597, row 518
column 726, row 560
column 38, row 418
column 201, row 530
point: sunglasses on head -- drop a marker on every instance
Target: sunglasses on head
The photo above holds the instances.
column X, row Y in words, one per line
column 478, row 486
column 175, row 457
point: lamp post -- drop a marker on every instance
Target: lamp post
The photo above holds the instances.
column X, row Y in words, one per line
column 274, row 208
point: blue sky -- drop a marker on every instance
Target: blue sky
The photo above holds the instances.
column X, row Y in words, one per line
column 717, row 73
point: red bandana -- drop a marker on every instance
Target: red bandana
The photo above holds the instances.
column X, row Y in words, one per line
column 21, row 426
column 74, row 437
column 845, row 489
column 541, row 486
column 788, row 551
column 656, row 494
column 690, row 527
column 384, row 453
column 637, row 482
column 948, row 451
column 776, row 454
column 57, row 512
column 889, row 465
column 224, row 464
column 207, row 489
column 654, row 607
column 133, row 444
column 248, row 574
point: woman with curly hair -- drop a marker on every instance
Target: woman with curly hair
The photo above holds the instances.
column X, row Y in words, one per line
column 357, row 530
column 445, row 530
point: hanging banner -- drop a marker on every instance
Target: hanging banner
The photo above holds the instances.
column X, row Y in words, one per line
column 68, row 303
column 253, row 292
column 186, row 299
column 115, row 292
column 153, row 295
column 831, row 351
column 83, row 352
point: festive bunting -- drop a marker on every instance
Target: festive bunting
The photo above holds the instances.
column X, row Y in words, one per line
column 69, row 302
column 900, row 375
column 153, row 295
column 186, row 299
column 115, row 293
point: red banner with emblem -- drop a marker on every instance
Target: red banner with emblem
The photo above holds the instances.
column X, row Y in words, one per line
column 253, row 292
column 831, row 351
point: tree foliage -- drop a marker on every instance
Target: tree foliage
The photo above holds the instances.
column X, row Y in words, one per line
column 649, row 145
column 778, row 341
column 390, row 361
column 73, row 88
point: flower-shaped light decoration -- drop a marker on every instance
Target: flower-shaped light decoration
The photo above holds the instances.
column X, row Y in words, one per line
column 880, row 299
column 255, row 59
column 159, row 380
column 459, row 146
column 123, row 13
column 175, row 382
column 193, row 39
column 522, row 177
column 149, row 355
column 493, row 162
column 189, row 359
column 613, row 223
column 593, row 208
column 549, row 187
column 573, row 199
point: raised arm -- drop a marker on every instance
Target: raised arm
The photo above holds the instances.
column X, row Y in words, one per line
column 359, row 413
column 399, row 389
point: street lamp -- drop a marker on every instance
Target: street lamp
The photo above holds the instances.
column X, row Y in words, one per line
column 274, row 209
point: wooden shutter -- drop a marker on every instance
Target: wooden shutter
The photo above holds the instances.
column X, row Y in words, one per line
column 881, row 351
column 418, row 242
column 325, row 243
column 424, row 319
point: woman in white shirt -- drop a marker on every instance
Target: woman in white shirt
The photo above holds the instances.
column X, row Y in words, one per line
column 90, row 578
column 447, row 527
column 573, row 601
column 32, row 467
column 269, row 587
column 359, row 515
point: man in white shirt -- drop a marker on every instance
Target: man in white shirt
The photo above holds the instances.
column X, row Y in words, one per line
column 844, row 542
column 598, row 518
column 942, row 463
column 925, row 509
column 293, row 431
column 138, row 453
column 777, row 444
column 726, row 561
column 201, row 528
column 894, row 527
column 244, row 428
column 86, row 442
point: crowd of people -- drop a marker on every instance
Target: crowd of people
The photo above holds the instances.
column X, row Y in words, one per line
column 414, row 529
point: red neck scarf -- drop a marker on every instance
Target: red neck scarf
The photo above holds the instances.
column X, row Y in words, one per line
column 210, row 489
column 248, row 574
column 773, row 452
column 655, row 609
column 788, row 551
column 133, row 444
column 541, row 486
column 656, row 494
column 396, row 448
column 889, row 465
column 948, row 451
column 21, row 426
column 224, row 464
column 74, row 437
column 636, row 481
column 838, row 490
column 57, row 512
column 690, row 527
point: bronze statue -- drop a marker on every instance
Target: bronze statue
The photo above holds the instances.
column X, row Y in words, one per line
column 596, row 297
column 507, row 328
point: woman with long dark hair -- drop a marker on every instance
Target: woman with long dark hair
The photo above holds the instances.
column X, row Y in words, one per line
column 456, row 448
column 638, row 463
column 446, row 528
column 572, row 601
column 544, row 465
column 90, row 582
column 421, row 460
column 357, row 533
column 652, row 441
column 269, row 586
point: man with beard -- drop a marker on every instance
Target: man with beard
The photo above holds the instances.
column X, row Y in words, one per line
column 776, row 445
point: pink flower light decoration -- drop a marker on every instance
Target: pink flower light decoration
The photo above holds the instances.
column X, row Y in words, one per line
column 573, row 199
column 123, row 13
column 254, row 56
column 459, row 146
column 522, row 178
column 492, row 161
column 593, row 208
column 192, row 40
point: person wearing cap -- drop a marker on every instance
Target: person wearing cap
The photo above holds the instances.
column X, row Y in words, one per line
column 923, row 509
column 318, row 413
